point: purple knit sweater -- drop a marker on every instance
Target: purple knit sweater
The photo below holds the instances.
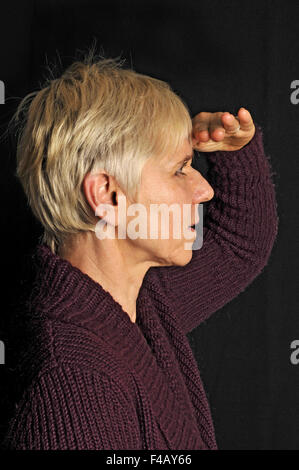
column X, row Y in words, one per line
column 98, row 380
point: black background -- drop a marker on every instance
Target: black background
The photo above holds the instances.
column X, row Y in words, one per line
column 218, row 56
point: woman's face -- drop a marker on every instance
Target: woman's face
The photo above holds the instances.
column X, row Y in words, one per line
column 171, row 180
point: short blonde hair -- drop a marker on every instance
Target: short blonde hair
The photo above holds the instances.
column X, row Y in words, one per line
column 95, row 115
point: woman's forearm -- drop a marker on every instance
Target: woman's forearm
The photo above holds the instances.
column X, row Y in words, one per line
column 239, row 231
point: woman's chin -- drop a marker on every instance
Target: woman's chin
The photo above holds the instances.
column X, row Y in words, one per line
column 181, row 257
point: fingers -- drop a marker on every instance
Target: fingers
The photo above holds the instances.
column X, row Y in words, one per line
column 245, row 119
column 215, row 126
column 201, row 126
column 231, row 123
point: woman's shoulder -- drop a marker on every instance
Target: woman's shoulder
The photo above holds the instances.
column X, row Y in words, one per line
column 55, row 344
column 68, row 392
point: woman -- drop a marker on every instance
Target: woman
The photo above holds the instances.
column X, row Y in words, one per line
column 110, row 366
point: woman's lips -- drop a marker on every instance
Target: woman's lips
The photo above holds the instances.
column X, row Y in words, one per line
column 192, row 227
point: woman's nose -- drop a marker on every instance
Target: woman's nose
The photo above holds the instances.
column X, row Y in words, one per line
column 203, row 191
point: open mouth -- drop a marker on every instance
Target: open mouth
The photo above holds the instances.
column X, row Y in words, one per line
column 192, row 227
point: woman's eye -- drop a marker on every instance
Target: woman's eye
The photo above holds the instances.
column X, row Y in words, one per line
column 179, row 171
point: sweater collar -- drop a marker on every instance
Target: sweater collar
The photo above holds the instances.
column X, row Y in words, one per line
column 64, row 292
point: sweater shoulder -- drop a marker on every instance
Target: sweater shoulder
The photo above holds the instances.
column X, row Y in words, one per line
column 93, row 406
column 56, row 343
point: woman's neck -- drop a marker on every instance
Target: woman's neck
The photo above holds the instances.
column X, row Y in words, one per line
column 105, row 262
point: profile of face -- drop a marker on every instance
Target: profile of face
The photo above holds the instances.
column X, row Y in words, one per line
column 167, row 181
column 170, row 180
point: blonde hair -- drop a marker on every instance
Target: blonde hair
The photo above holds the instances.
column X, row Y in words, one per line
column 95, row 115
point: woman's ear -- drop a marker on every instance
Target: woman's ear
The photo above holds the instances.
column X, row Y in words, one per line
column 101, row 192
column 96, row 189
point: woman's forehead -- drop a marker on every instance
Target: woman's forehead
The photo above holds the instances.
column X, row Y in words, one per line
column 173, row 157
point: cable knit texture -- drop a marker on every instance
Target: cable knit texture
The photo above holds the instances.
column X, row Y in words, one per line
column 95, row 379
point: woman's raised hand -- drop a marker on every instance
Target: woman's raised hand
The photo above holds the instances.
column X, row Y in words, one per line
column 222, row 131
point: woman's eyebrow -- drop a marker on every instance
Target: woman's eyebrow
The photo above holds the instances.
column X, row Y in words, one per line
column 185, row 159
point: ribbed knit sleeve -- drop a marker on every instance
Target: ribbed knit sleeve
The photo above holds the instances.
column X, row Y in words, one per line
column 239, row 231
column 69, row 409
